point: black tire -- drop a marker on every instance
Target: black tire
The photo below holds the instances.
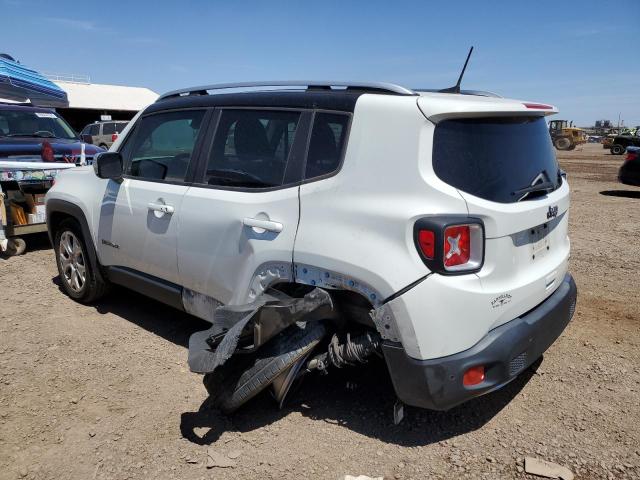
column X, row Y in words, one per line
column 93, row 286
column 242, row 377
column 572, row 147
column 562, row 143
column 15, row 246
column 617, row 149
column 102, row 145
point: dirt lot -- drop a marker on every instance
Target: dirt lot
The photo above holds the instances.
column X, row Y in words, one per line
column 104, row 391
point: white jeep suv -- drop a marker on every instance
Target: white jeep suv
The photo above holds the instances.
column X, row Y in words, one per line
column 432, row 226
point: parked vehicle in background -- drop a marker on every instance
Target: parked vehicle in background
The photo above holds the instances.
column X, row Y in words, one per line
column 629, row 172
column 438, row 240
column 103, row 134
column 565, row 136
column 26, row 131
column 620, row 142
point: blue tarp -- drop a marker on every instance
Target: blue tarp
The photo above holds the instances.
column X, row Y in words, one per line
column 22, row 84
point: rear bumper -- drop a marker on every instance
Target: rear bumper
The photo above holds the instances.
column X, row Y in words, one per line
column 505, row 352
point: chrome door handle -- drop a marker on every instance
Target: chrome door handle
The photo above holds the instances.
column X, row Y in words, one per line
column 263, row 224
column 161, row 207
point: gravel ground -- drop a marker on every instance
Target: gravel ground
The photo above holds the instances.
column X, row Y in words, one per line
column 105, row 392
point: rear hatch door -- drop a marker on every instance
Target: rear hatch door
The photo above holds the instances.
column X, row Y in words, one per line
column 503, row 164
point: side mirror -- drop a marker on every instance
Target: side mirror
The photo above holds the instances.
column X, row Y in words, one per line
column 87, row 138
column 108, row 165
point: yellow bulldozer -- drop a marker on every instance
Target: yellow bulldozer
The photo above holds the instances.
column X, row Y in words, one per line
column 565, row 136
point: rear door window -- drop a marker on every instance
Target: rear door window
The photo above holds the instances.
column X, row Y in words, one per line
column 326, row 148
column 493, row 158
column 163, row 145
column 251, row 148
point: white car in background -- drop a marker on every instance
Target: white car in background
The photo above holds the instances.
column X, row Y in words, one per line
column 431, row 228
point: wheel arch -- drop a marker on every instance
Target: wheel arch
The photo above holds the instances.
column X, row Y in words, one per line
column 60, row 210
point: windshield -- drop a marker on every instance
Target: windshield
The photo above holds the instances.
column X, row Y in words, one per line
column 495, row 158
column 27, row 123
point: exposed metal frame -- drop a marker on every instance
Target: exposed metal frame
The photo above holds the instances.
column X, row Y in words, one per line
column 374, row 86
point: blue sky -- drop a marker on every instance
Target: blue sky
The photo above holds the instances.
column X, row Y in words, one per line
column 569, row 53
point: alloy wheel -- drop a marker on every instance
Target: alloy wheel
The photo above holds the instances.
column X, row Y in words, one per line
column 72, row 261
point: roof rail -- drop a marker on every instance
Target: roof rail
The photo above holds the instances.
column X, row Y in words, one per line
column 379, row 87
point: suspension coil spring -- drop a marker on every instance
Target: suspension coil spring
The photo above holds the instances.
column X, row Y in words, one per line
column 352, row 350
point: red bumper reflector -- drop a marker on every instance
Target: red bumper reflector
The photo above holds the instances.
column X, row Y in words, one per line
column 473, row 376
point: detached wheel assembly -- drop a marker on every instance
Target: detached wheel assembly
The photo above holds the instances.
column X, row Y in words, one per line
column 242, row 377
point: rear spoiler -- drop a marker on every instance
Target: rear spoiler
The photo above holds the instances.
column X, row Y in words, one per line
column 439, row 107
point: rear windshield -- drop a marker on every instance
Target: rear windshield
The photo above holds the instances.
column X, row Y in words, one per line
column 495, row 158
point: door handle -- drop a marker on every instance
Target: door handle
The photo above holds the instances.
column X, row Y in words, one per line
column 263, row 224
column 161, row 207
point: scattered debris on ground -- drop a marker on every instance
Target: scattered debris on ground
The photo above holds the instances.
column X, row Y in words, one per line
column 542, row 468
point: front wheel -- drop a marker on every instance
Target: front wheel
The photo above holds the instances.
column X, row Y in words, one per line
column 81, row 280
column 617, row 149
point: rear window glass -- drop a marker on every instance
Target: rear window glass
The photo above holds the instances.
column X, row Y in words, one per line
column 327, row 143
column 108, row 128
column 493, row 158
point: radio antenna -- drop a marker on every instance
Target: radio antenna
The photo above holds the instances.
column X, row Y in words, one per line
column 456, row 88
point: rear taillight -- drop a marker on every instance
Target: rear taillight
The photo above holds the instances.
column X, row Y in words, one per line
column 463, row 247
column 457, row 246
column 114, row 137
column 47, row 152
column 450, row 245
column 426, row 241
column 631, row 156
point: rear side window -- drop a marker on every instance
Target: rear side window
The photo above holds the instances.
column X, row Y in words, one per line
column 328, row 138
column 163, row 144
column 108, row 128
column 493, row 158
column 251, row 148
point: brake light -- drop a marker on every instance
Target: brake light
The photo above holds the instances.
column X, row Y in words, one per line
column 473, row 376
column 427, row 241
column 631, row 156
column 538, row 106
column 47, row 152
column 457, row 245
column 114, row 136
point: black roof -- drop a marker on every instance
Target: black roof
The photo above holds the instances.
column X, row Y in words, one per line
column 308, row 99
